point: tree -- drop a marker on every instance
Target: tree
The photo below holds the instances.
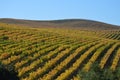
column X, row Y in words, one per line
column 7, row 73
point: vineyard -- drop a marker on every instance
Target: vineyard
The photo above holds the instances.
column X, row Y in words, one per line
column 57, row 54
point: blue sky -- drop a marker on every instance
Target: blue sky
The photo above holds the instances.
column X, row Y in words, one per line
column 100, row 10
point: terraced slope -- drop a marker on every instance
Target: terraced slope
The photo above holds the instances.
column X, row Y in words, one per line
column 57, row 54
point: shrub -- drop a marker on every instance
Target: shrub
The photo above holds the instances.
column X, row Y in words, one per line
column 96, row 73
column 4, row 56
column 4, row 37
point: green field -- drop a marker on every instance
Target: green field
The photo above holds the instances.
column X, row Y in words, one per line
column 57, row 53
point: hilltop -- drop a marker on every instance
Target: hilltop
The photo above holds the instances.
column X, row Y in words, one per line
column 65, row 23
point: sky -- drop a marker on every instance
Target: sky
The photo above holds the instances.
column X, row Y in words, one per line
column 99, row 10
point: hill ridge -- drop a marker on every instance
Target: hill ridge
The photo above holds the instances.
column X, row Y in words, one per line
column 62, row 23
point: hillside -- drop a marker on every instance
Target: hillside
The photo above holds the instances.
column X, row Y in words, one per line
column 59, row 54
column 66, row 23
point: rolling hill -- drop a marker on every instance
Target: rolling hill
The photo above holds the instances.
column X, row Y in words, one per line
column 66, row 23
column 60, row 53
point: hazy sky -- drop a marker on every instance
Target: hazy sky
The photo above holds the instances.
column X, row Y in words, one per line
column 100, row 10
